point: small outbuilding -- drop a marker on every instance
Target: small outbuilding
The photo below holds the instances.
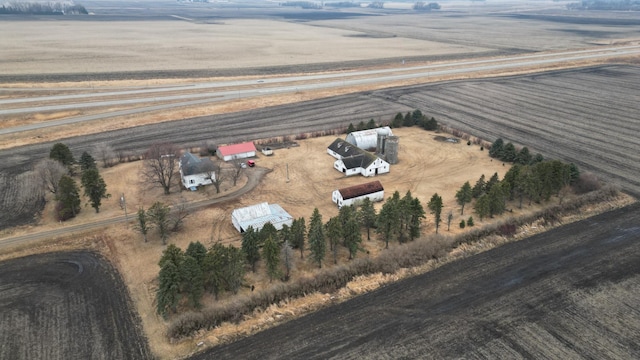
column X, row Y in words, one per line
column 195, row 171
column 368, row 139
column 355, row 194
column 258, row 215
column 236, row 151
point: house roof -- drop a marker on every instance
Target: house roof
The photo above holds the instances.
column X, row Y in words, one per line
column 360, row 190
column 236, row 149
column 258, row 215
column 191, row 164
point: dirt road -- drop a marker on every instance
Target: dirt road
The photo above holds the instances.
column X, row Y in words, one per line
column 568, row 293
column 255, row 175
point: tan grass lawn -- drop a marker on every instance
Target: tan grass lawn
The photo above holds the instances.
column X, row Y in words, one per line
column 426, row 166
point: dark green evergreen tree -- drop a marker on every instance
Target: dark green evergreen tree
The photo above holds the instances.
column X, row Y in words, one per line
column 479, row 187
column 388, row 222
column 94, row 187
column 271, row 255
column 192, row 281
column 397, row 121
column 509, row 153
column 524, row 157
column 435, row 207
column 61, row 152
column 334, row 233
column 371, row 124
column 464, row 196
column 352, row 237
column 417, row 214
column 497, row 149
column 197, row 251
column 482, row 207
column 168, row 293
column 172, row 254
column 367, row 215
column 87, row 161
column 493, row 180
column 298, row 233
column 351, row 128
column 251, row 247
column 68, row 198
column 317, row 243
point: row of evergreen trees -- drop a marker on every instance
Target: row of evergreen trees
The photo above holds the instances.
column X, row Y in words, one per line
column 409, row 119
column 67, row 193
column 189, row 275
column 536, row 182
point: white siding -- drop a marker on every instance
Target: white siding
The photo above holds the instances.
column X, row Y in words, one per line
column 374, row 197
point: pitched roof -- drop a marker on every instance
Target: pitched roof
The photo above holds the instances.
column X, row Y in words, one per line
column 360, row 190
column 191, row 164
column 343, row 148
column 362, row 160
column 236, row 148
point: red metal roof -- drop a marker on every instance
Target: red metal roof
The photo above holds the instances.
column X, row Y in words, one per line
column 236, row 149
column 362, row 189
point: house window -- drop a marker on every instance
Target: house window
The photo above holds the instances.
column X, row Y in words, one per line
column 192, row 181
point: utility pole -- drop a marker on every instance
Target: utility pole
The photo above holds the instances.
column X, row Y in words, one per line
column 287, row 172
column 123, row 204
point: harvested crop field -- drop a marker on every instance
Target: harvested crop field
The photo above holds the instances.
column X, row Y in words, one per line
column 586, row 116
column 66, row 305
column 536, row 298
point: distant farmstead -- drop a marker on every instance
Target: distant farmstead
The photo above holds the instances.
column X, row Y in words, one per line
column 236, row 151
column 258, row 215
column 352, row 160
column 195, row 171
column 355, row 194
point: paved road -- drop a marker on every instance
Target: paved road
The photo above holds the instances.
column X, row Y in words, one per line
column 197, row 93
column 255, row 175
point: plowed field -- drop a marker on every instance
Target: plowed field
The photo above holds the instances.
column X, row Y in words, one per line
column 589, row 116
column 568, row 293
column 66, row 306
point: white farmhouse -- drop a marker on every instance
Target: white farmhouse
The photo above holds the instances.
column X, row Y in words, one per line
column 368, row 139
column 352, row 160
column 355, row 194
column 236, row 151
column 258, row 215
column 195, row 171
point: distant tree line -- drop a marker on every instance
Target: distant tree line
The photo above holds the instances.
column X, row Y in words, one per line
column 407, row 120
column 36, row 8
column 302, row 4
column 422, row 6
column 620, row 5
column 343, row 4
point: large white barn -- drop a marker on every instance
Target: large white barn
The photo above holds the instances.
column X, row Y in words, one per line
column 355, row 194
column 352, row 160
column 258, row 215
column 368, row 139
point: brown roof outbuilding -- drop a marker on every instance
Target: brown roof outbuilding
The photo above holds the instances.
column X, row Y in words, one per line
column 360, row 190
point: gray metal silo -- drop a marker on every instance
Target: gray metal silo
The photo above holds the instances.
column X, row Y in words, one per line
column 391, row 149
column 380, row 143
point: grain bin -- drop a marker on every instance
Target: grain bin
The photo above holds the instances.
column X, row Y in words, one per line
column 391, row 149
column 380, row 144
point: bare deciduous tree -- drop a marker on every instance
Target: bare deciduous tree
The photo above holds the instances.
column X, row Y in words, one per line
column 161, row 166
column 106, row 154
column 179, row 213
column 49, row 172
column 216, row 175
column 238, row 168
